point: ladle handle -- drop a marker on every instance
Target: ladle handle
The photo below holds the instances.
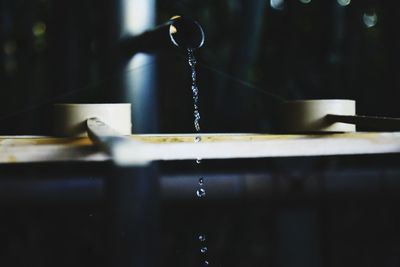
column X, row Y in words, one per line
column 121, row 149
column 104, row 136
column 381, row 123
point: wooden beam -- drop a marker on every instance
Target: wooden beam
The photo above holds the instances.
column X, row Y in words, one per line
column 146, row 148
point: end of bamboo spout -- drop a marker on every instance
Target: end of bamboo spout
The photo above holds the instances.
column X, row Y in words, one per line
column 186, row 33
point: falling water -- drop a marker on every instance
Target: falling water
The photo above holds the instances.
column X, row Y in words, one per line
column 195, row 91
column 201, row 191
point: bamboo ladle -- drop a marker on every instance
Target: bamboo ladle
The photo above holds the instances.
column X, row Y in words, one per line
column 330, row 115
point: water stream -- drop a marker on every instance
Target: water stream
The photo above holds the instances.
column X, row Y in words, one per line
column 201, row 191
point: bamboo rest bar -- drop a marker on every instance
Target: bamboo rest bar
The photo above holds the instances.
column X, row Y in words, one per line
column 146, row 148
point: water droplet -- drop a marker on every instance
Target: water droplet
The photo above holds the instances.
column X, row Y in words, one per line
column 305, row 1
column 196, row 114
column 201, row 181
column 197, row 139
column 201, row 192
column 206, row 263
column 192, row 59
column 202, row 238
column 203, row 249
column 197, row 126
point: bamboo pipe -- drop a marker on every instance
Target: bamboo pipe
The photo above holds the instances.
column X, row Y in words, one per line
column 180, row 32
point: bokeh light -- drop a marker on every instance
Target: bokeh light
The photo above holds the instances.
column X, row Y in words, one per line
column 370, row 19
column 343, row 2
column 277, row 4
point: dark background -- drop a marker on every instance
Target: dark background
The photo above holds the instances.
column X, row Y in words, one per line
column 329, row 211
column 59, row 51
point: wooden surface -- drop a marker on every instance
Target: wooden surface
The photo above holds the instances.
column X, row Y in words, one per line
column 145, row 148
